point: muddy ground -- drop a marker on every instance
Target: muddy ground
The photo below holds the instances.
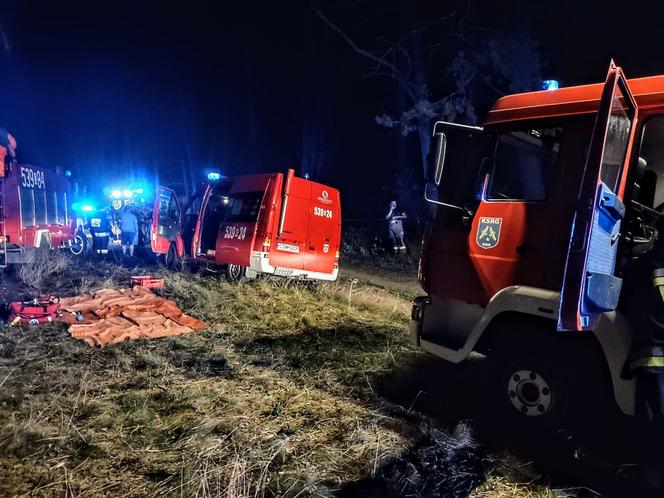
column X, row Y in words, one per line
column 292, row 391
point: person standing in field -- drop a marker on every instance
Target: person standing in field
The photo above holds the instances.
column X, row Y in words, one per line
column 129, row 227
column 395, row 227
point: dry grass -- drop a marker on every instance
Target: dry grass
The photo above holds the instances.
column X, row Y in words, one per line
column 277, row 398
column 45, row 264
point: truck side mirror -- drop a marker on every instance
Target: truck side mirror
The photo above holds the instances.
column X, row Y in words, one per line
column 441, row 148
column 436, row 158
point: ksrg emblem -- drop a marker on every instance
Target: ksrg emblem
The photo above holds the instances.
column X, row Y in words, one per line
column 488, row 232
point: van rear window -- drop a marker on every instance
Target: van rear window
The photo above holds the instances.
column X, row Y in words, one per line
column 243, row 206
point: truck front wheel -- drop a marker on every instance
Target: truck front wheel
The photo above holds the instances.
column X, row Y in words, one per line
column 532, row 391
column 549, row 382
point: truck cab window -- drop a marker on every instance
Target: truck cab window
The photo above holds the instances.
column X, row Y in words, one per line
column 525, row 165
column 617, row 138
column 465, row 157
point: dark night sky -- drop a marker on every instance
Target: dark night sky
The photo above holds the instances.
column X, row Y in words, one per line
column 111, row 89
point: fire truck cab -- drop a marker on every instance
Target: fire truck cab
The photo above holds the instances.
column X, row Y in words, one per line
column 535, row 217
column 265, row 223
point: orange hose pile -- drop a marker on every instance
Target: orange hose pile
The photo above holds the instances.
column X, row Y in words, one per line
column 111, row 316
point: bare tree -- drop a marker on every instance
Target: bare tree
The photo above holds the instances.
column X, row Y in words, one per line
column 6, row 45
column 460, row 57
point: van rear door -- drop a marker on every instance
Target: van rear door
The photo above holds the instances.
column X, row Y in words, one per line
column 290, row 245
column 324, row 229
column 590, row 286
column 166, row 223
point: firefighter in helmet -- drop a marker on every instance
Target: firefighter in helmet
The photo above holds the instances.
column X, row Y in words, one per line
column 100, row 229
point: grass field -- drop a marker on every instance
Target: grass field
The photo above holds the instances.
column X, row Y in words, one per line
column 281, row 396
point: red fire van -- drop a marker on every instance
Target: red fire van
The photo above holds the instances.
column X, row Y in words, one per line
column 265, row 223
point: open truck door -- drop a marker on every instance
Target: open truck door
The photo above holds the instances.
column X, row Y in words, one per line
column 590, row 286
column 166, row 229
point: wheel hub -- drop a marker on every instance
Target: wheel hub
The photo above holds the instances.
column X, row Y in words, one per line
column 529, row 393
column 76, row 247
column 234, row 271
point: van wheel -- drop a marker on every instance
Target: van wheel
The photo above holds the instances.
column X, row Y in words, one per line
column 236, row 274
column 77, row 246
column 173, row 261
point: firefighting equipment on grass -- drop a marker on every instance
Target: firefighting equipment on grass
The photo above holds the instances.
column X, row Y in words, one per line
column 44, row 309
column 111, row 316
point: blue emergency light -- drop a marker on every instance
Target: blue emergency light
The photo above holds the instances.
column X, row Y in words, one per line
column 214, row 176
column 550, row 85
column 138, row 191
column 83, row 206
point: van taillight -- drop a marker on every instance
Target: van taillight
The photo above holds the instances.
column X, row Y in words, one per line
column 267, row 242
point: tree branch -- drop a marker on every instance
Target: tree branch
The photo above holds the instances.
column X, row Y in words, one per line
column 6, row 46
column 396, row 74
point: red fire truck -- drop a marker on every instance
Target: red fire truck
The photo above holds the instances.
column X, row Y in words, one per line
column 539, row 214
column 266, row 223
column 35, row 212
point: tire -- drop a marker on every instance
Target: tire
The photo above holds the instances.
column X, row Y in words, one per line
column 236, row 274
column 547, row 381
column 528, row 391
column 172, row 260
column 77, row 246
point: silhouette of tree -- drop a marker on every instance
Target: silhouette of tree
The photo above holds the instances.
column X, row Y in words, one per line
column 446, row 69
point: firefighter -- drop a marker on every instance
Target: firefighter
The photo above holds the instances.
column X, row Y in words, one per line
column 100, row 229
column 395, row 227
column 646, row 314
